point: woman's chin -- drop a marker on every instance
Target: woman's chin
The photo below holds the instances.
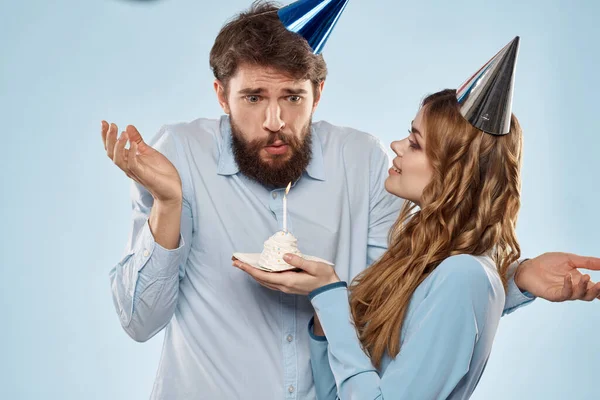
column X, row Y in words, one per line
column 392, row 187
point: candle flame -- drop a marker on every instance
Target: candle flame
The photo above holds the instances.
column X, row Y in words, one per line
column 287, row 190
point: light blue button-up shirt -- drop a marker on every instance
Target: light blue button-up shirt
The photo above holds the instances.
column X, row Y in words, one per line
column 446, row 338
column 226, row 336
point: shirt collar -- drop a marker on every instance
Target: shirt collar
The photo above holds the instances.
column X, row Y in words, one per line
column 228, row 166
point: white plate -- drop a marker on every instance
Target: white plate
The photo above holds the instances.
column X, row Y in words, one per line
column 252, row 259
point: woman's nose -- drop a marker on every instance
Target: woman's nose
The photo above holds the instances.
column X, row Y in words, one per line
column 397, row 147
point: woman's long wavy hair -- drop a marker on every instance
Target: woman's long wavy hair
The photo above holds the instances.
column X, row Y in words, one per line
column 469, row 207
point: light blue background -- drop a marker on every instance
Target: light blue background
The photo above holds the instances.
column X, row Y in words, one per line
column 66, row 64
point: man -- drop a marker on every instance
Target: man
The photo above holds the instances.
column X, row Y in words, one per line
column 209, row 188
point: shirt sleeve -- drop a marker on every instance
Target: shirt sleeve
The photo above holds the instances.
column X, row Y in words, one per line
column 515, row 298
column 145, row 283
column 384, row 207
column 440, row 334
column 322, row 376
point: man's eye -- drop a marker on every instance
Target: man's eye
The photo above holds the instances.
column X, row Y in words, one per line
column 252, row 99
column 294, row 98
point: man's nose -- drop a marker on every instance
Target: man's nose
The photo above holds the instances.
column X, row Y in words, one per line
column 273, row 121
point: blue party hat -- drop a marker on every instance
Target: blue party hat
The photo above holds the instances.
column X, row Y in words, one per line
column 312, row 19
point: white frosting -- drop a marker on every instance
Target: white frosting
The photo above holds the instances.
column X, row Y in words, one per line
column 274, row 249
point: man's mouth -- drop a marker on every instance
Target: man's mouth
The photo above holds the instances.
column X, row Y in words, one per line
column 278, row 147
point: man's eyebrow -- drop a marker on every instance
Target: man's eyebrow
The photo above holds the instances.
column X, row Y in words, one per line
column 295, row 91
column 251, row 91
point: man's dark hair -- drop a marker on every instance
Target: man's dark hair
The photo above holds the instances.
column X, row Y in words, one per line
column 257, row 37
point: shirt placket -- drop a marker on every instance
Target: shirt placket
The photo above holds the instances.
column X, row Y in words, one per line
column 288, row 310
column 290, row 360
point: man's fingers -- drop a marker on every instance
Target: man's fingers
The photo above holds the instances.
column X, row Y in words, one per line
column 132, row 158
column 134, row 135
column 104, row 131
column 119, row 152
column 593, row 291
column 111, row 140
column 567, row 290
column 581, row 288
column 592, row 263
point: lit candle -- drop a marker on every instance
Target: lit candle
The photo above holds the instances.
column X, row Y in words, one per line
column 287, row 190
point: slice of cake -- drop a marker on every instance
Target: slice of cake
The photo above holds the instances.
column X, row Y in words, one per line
column 275, row 247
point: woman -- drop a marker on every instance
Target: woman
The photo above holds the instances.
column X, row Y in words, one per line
column 426, row 313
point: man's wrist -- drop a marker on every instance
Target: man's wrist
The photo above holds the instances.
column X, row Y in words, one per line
column 169, row 205
column 520, row 266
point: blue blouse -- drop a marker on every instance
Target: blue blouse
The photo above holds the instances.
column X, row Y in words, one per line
column 446, row 338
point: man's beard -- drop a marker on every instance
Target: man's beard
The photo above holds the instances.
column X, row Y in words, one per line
column 277, row 172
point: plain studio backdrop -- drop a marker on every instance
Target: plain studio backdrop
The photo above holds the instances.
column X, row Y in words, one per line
column 66, row 65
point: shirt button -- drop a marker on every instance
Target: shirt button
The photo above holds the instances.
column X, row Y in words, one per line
column 274, row 194
column 146, row 253
column 290, row 338
column 291, row 389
